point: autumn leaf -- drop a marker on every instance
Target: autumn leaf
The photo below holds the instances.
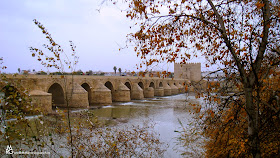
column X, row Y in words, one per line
column 259, row 5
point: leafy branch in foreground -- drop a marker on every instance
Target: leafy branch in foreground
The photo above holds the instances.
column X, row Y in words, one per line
column 58, row 58
column 15, row 108
column 241, row 37
column 55, row 58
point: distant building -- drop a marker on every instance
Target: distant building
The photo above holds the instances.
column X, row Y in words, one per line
column 191, row 71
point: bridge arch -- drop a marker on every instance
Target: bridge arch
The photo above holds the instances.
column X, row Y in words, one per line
column 128, row 85
column 141, row 84
column 152, row 85
column 160, row 84
column 88, row 89
column 57, row 94
column 109, row 85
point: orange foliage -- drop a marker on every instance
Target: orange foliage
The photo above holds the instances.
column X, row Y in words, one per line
column 243, row 38
column 227, row 127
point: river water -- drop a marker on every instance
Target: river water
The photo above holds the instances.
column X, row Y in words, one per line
column 165, row 113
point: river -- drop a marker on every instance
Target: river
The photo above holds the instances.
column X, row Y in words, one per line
column 165, row 113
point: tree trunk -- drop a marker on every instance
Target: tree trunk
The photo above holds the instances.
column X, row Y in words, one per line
column 252, row 124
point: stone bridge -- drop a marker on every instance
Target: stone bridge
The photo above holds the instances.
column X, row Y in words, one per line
column 81, row 91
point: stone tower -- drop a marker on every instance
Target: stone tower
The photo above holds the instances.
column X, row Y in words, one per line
column 191, row 71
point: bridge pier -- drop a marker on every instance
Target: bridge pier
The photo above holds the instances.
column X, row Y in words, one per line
column 101, row 94
column 122, row 94
column 41, row 101
column 136, row 92
column 78, row 97
column 149, row 92
column 167, row 89
column 159, row 92
column 174, row 89
column 181, row 88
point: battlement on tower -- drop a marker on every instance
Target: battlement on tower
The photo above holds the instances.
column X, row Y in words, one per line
column 191, row 71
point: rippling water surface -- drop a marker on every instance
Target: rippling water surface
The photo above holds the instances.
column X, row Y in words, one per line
column 163, row 112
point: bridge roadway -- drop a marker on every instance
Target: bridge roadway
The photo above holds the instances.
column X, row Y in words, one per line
column 81, row 90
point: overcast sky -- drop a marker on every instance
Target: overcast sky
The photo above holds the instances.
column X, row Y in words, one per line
column 97, row 35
